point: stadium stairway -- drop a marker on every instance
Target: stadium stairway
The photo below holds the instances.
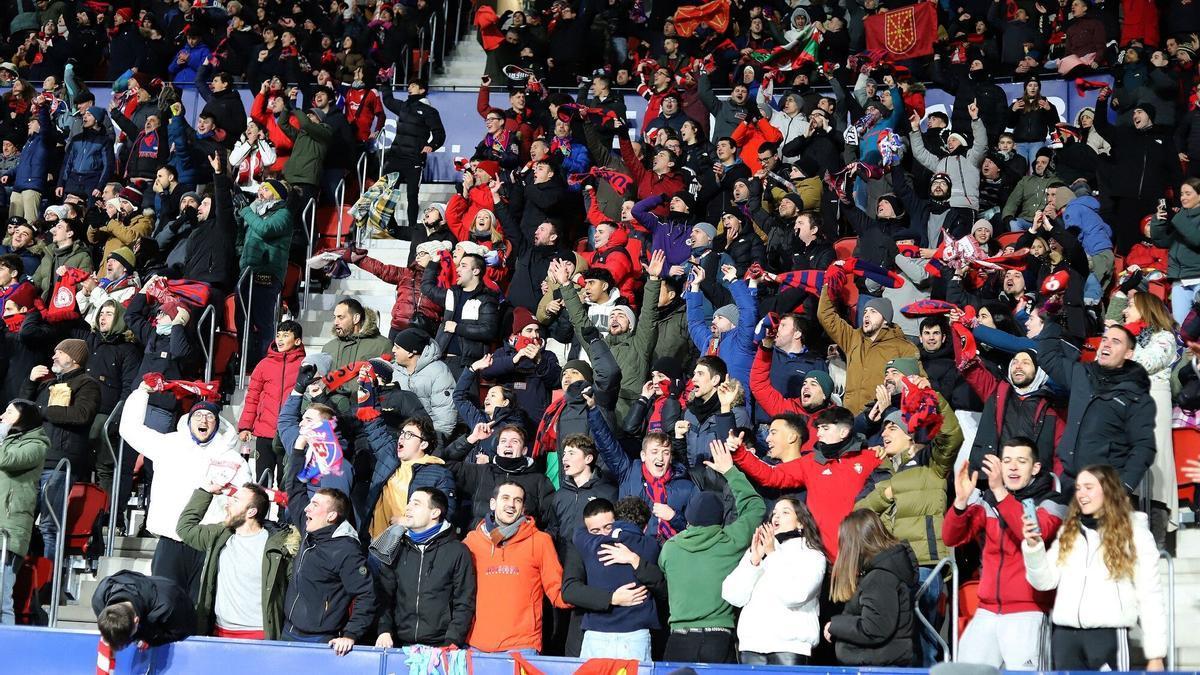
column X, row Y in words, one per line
column 465, row 67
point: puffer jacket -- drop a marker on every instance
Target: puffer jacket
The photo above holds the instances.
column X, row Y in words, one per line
column 616, row 257
column 412, row 307
column 963, row 168
column 114, row 359
column 1088, row 596
column 917, row 483
column 1032, row 124
column 68, row 425
column 268, row 238
column 282, row 545
column 433, row 384
column 481, row 480
column 31, row 170
column 780, row 598
column 330, row 593
column 475, row 313
column 568, row 502
column 1180, row 235
column 366, row 344
column 1083, row 214
column 427, row 592
column 877, row 627
column 22, row 455
column 865, row 359
column 418, row 124
column 312, row 143
column 179, row 462
column 87, row 164
column 270, row 383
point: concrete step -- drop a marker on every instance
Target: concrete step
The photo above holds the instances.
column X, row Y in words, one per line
column 89, row 626
column 80, row 613
column 111, row 564
column 134, row 547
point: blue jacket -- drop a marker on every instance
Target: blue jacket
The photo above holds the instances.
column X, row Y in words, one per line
column 788, row 370
column 289, row 431
column 612, row 577
column 628, row 474
column 34, row 164
column 88, row 163
column 30, row 259
column 533, row 384
column 1082, row 214
column 736, row 347
column 186, row 73
column 383, row 446
column 578, row 160
column 868, row 144
column 715, row 428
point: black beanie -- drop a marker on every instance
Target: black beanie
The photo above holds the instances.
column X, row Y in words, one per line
column 704, row 508
column 412, row 340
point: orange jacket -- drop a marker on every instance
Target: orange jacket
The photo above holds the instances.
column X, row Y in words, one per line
column 511, row 579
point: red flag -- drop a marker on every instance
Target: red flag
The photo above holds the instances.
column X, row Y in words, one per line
column 714, row 14
column 904, row 33
column 489, row 27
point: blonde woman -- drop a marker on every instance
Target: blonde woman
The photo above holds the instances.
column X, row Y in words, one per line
column 1105, row 567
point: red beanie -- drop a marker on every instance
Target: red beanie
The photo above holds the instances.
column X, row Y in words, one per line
column 492, row 167
column 521, row 318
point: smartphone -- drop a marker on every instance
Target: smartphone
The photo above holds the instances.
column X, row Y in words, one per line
column 1031, row 512
column 1162, row 204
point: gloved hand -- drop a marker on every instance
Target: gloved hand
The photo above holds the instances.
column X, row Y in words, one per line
column 767, row 327
column 307, row 373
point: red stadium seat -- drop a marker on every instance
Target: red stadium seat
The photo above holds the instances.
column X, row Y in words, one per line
column 844, row 247
column 1008, row 238
column 1187, row 448
column 328, row 227
column 968, row 602
column 33, row 575
column 86, row 503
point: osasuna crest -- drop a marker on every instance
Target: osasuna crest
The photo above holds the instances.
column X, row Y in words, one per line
column 858, row 467
column 63, row 298
column 900, row 30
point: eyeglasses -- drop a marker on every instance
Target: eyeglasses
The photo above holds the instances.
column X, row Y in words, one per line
column 204, row 414
column 495, row 119
column 407, row 435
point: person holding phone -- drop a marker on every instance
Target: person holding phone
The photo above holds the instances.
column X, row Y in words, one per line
column 1006, row 630
column 1179, row 233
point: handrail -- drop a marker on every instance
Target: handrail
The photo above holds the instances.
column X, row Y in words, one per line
column 4, row 563
column 245, row 304
column 311, row 206
column 211, row 315
column 949, row 653
column 266, row 475
column 1170, row 608
column 339, row 196
column 60, row 540
column 118, row 458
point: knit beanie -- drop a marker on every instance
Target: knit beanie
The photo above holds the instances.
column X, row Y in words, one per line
column 983, row 223
column 883, row 306
column 126, row 257
column 628, row 312
column 277, row 188
column 730, row 312
column 412, row 340
column 706, row 228
column 522, row 317
column 76, row 349
column 906, row 365
column 823, row 380
column 581, row 366
column 703, row 509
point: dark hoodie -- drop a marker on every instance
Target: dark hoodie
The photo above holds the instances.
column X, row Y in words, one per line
column 569, row 501
column 877, row 626
column 164, row 610
column 114, row 358
column 1106, row 414
column 480, row 481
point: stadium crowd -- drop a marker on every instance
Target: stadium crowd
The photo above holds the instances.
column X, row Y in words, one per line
column 636, row 398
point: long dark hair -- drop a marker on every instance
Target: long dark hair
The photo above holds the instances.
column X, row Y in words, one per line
column 862, row 536
column 29, row 416
column 808, row 525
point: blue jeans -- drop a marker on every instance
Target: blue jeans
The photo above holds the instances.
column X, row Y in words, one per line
column 1020, row 225
column 1029, row 150
column 1182, row 298
column 8, row 616
column 54, row 496
column 632, row 645
column 928, row 645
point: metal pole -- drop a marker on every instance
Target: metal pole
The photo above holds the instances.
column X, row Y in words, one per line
column 954, row 607
column 311, row 233
column 60, row 538
column 4, row 563
column 340, row 198
column 118, row 459
column 208, row 348
column 933, row 575
column 1170, row 608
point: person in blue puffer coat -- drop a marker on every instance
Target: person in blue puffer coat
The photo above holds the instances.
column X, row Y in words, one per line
column 88, row 162
column 188, row 59
column 29, row 176
column 868, row 141
column 1082, row 214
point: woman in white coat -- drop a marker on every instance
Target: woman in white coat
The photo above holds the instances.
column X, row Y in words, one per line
column 1105, row 566
column 1150, row 320
column 778, row 586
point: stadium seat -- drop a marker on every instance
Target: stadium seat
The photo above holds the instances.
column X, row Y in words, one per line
column 1008, row 238
column 33, row 575
column 86, row 503
column 1187, row 447
column 844, row 247
column 968, row 602
column 328, row 227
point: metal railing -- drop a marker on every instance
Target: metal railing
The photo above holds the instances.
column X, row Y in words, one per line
column 208, row 347
column 118, row 459
column 4, row 562
column 950, row 651
column 309, row 215
column 60, row 539
column 245, row 327
column 1170, row 608
column 339, row 197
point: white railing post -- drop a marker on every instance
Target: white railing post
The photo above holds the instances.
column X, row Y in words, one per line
column 60, row 539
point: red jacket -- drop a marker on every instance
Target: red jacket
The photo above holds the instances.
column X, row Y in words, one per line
column 364, row 111
column 1002, row 585
column 409, row 299
column 266, row 119
column 833, row 484
column 621, row 260
column 647, row 182
column 775, row 403
column 270, row 383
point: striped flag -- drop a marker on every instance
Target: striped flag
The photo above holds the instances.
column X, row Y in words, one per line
column 794, row 54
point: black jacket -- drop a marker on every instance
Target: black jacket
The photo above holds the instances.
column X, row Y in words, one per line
column 427, row 594
column 1108, row 413
column 746, row 249
column 22, row 351
column 418, row 124
column 166, row 354
column 568, row 504
column 1006, row 410
column 329, row 579
column 229, row 113
column 114, row 362
column 164, row 610
column 530, row 263
column 877, row 627
column 471, row 336
column 480, row 480
column 1142, row 164
column 68, row 426
column 210, row 254
column 945, row 379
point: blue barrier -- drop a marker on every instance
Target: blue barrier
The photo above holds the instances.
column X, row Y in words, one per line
column 47, row 651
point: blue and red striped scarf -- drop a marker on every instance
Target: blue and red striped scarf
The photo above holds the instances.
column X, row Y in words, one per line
column 656, row 491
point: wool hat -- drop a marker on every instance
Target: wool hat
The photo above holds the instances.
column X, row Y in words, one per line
column 906, row 365
column 706, row 228
column 823, row 380
column 1147, row 108
column 412, row 340
column 883, row 306
column 130, row 194
column 491, row 166
column 703, row 509
column 60, row 211
column 10, row 67
column 985, row 224
column 522, row 317
column 795, row 199
column 433, row 248
column 1044, row 151
column 669, row 366
column 581, row 366
column 944, row 177
column 896, row 417
column 629, row 314
column 25, row 295
column 439, row 207
column 962, row 140
column 210, row 406
column 194, row 195
column 730, row 312
column 126, row 257
column 687, row 198
column 96, row 112
column 897, row 205
column 76, row 349
column 277, row 187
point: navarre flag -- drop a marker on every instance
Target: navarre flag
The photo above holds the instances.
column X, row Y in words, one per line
column 714, row 14
column 904, row 33
column 795, row 53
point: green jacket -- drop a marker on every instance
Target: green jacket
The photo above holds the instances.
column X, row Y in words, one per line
column 1181, row 237
column 21, row 458
column 312, row 142
column 696, row 561
column 282, row 545
column 367, row 343
column 75, row 256
column 633, row 349
column 268, row 238
column 1029, row 196
column 674, row 340
column 917, row 506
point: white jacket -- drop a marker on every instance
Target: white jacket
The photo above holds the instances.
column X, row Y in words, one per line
column 250, row 162
column 780, row 599
column 1089, row 598
column 181, row 465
